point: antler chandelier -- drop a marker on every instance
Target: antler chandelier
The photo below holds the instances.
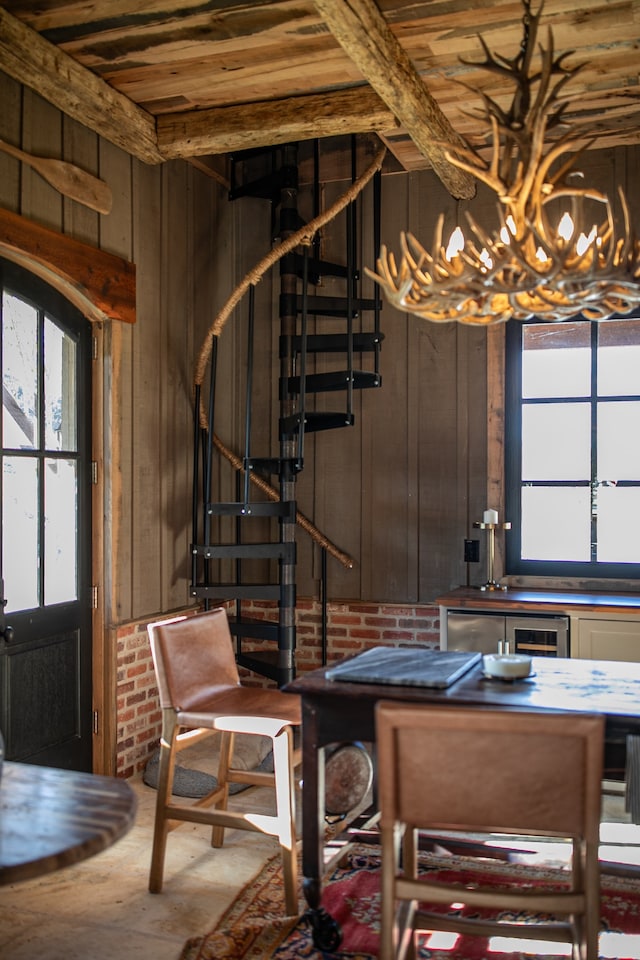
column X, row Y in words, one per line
column 546, row 258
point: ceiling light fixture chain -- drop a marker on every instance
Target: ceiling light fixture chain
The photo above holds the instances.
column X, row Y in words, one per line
column 553, row 254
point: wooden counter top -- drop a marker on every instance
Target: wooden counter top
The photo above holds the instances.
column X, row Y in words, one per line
column 539, row 601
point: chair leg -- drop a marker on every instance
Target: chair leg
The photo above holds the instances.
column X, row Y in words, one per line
column 389, row 854
column 286, row 813
column 226, row 754
column 163, row 797
column 407, row 933
column 592, row 887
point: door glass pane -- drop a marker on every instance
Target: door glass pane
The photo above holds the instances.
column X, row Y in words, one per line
column 556, row 441
column 59, row 388
column 20, row 532
column 618, row 447
column 19, row 374
column 619, row 358
column 619, row 524
column 556, row 360
column 556, row 523
column 60, row 533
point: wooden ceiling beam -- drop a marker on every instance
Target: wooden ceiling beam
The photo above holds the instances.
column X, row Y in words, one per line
column 365, row 37
column 395, row 94
column 76, row 91
column 225, row 129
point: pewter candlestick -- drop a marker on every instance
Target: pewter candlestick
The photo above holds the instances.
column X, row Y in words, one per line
column 491, row 528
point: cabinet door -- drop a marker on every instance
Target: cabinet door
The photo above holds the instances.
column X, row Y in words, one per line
column 608, row 640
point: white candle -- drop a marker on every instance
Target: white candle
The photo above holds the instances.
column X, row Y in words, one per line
column 491, row 516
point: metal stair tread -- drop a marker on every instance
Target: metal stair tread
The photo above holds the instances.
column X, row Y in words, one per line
column 336, row 306
column 270, row 464
column 264, row 662
column 258, row 508
column 335, row 380
column 315, row 421
column 255, row 629
column 270, row 550
column 317, row 267
column 338, row 342
column 236, row 591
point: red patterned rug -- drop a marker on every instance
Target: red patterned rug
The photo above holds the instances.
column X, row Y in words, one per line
column 253, row 927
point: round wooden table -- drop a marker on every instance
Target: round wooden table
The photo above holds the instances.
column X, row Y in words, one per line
column 52, row 818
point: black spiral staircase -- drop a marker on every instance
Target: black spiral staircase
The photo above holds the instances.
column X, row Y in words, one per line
column 264, row 529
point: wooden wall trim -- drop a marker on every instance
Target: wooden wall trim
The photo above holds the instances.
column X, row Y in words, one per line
column 103, row 651
column 495, row 434
column 101, row 285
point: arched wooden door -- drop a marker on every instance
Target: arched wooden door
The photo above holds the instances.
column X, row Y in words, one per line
column 45, row 542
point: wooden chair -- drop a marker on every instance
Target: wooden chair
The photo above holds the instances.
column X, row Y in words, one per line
column 200, row 693
column 487, row 771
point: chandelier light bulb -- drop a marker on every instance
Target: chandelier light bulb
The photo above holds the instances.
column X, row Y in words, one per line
column 455, row 245
column 566, row 227
column 584, row 242
column 485, row 259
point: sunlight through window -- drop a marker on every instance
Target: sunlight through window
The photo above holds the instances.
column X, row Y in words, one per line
column 441, row 940
column 615, row 946
column 534, row 948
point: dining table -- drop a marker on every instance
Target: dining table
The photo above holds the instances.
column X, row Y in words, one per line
column 335, row 710
column 51, row 818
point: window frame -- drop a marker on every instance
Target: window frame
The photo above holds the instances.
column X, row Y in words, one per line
column 514, row 564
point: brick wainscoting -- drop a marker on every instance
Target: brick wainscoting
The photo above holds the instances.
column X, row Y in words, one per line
column 351, row 627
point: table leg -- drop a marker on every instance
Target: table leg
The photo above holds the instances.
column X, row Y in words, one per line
column 326, row 932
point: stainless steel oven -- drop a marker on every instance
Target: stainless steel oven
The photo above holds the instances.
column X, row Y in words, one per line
column 537, row 635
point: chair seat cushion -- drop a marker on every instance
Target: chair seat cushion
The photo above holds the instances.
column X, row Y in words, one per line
column 243, row 709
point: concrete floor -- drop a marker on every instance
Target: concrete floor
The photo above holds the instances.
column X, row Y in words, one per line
column 101, row 909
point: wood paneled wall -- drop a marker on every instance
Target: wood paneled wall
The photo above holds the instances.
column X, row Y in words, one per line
column 399, row 491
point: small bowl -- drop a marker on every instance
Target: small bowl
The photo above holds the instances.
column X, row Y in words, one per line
column 507, row 666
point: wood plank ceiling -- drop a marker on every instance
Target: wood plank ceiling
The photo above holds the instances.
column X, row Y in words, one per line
column 188, row 79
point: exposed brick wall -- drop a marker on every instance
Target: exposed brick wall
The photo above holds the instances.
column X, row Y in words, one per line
column 352, row 626
column 138, row 710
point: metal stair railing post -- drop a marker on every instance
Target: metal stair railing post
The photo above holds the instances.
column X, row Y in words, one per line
column 302, row 402
column 288, row 322
column 249, row 392
column 208, row 463
column 351, row 280
column 195, row 486
column 323, row 600
column 377, row 206
column 238, row 561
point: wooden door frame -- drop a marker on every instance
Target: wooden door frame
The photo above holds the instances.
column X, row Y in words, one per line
column 103, row 287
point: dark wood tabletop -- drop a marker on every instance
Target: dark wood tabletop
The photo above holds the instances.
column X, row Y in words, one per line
column 337, row 710
column 600, row 686
column 52, row 818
